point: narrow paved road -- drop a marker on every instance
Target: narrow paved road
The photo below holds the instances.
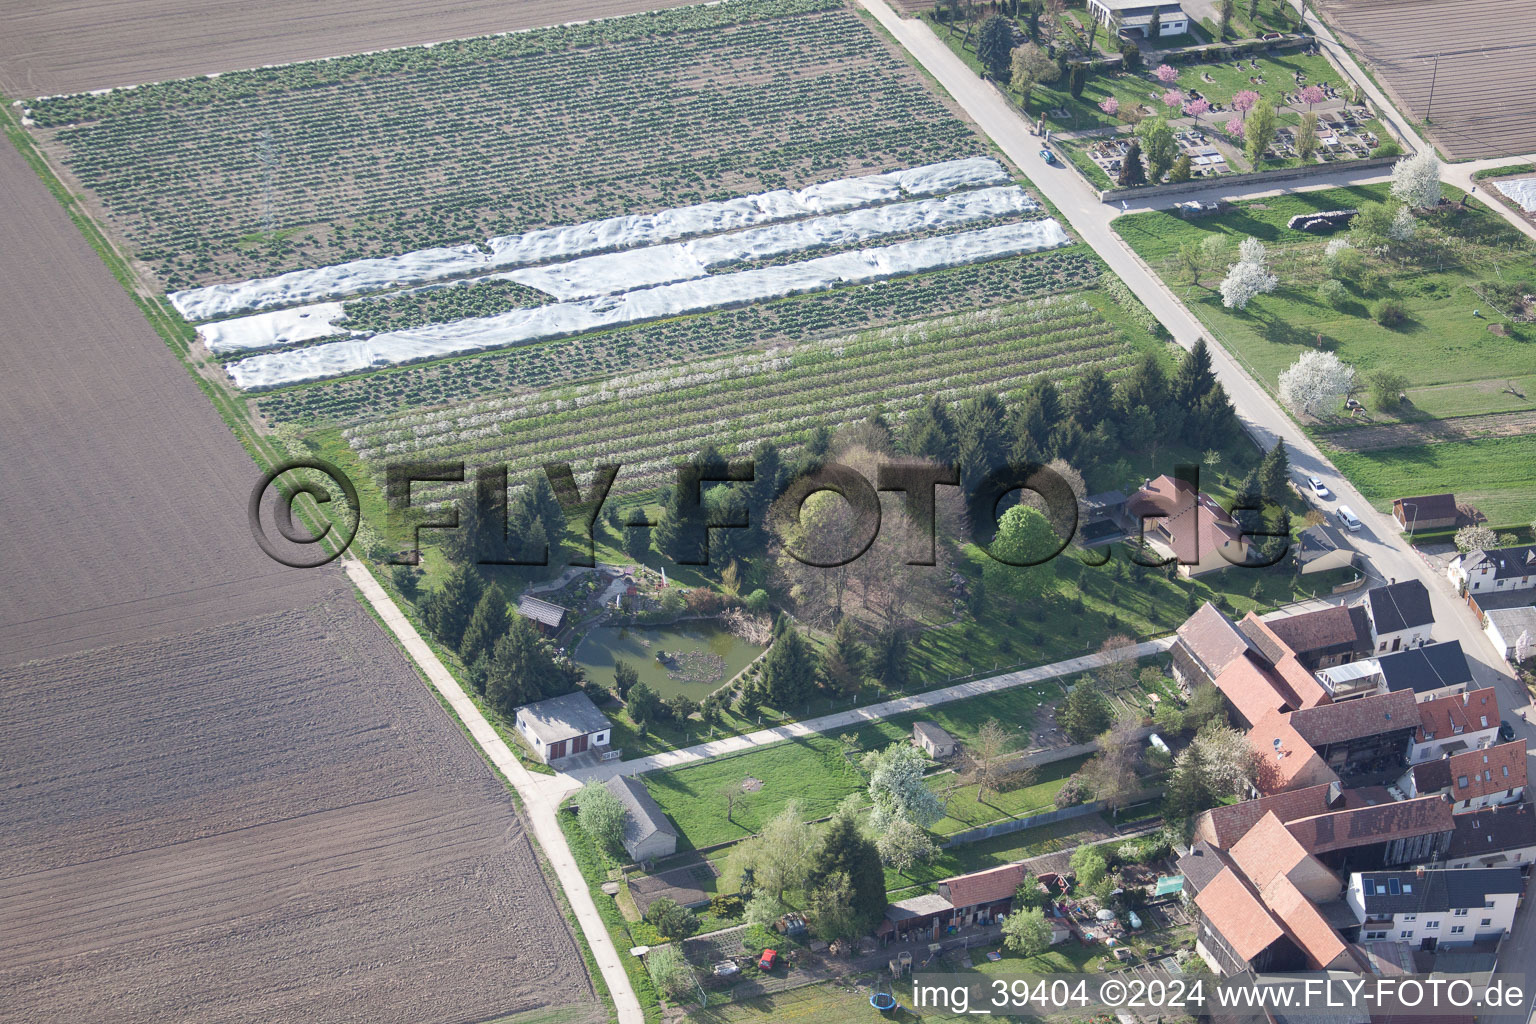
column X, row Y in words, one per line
column 541, row 802
column 855, row 717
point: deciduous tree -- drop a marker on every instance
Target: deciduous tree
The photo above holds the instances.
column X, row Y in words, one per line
column 1027, row 932
column 897, row 789
column 903, row 845
column 1159, row 144
column 1316, row 383
column 1258, row 130
column 1416, row 179
column 1476, row 537
column 601, row 816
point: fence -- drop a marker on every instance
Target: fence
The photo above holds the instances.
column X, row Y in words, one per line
column 1238, row 184
column 1002, row 828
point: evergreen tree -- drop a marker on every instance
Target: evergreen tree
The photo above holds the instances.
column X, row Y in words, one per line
column 522, row 669
column 674, row 535
column 449, row 608
column 1092, row 400
column 1211, row 420
column 994, row 47
column 545, row 508
column 1194, row 377
column 1036, row 422
column 789, row 669
column 625, row 676
column 890, row 658
column 982, row 435
column 727, row 503
column 1146, row 386
column 642, row 704
column 929, row 432
column 1086, row 711
column 845, row 850
column 1132, row 173
column 767, row 478
column 846, row 660
column 487, row 623
column 636, row 540
column 1274, row 472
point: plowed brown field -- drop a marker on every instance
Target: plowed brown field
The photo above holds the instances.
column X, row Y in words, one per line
column 226, row 796
column 48, row 47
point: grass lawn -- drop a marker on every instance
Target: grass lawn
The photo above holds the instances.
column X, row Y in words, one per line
column 1493, row 473
column 967, row 811
column 1454, row 365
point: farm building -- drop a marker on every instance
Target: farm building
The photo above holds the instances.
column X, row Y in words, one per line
column 1336, row 635
column 1495, row 570
column 935, row 741
column 648, row 833
column 565, row 726
column 1208, row 642
column 1428, row 512
column 981, row 897
column 1400, row 615
column 1322, row 548
column 916, row 917
column 1189, row 526
column 1135, row 16
column 549, row 618
column 1505, row 626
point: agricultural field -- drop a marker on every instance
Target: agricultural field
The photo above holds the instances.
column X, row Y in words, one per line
column 276, row 804
column 1480, row 84
column 51, row 48
column 1469, row 372
column 256, row 173
column 777, row 394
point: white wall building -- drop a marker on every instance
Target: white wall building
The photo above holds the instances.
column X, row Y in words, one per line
column 1435, row 907
column 1497, row 570
column 1454, row 724
column 564, row 726
column 1400, row 616
column 1135, row 16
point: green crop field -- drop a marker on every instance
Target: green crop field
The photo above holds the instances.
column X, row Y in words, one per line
column 258, row 172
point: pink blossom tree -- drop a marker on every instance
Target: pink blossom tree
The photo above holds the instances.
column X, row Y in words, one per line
column 1110, row 106
column 1167, row 75
column 1172, row 98
column 1312, row 94
column 1243, row 101
column 1194, row 108
column 1235, row 129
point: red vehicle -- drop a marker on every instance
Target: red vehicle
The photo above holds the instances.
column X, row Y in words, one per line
column 768, row 959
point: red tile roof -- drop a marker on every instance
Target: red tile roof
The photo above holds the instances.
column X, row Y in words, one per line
column 1222, row 827
column 1234, row 910
column 1286, row 761
column 1363, row 826
column 1267, row 851
column 1196, row 526
column 1443, row 717
column 1250, row 688
column 1357, row 719
column 990, row 886
column 1300, row 687
column 1334, row 626
column 1488, row 771
column 1212, row 638
column 1302, row 921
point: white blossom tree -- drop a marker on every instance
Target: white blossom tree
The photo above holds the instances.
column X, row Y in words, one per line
column 1523, row 647
column 904, row 845
column 1403, row 225
column 1416, row 178
column 1476, row 537
column 1316, row 383
column 1244, row 281
column 897, row 788
column 1336, row 246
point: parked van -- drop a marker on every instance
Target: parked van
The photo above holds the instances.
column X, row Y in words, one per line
column 1348, row 519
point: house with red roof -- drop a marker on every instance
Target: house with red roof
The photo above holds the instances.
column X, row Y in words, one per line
column 1188, row 525
column 1452, row 725
column 1473, row 779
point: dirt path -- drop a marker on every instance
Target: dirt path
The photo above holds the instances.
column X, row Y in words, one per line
column 1403, row 435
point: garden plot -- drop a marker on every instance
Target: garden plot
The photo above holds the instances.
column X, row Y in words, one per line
column 778, row 394
column 1522, row 191
column 563, row 318
column 254, row 174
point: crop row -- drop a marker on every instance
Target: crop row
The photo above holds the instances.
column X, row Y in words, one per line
column 736, row 404
column 439, row 305
column 626, row 350
column 369, row 165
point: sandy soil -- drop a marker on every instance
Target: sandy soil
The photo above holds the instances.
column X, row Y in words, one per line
column 47, row 47
column 270, row 820
column 1402, row 435
column 227, row 797
column 1486, row 74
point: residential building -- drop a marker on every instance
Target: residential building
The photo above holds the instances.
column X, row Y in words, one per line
column 1207, row 643
column 1364, row 741
column 648, row 833
column 1449, row 725
column 1503, row 836
column 1497, row 569
column 1473, row 779
column 1400, row 615
column 1336, row 635
column 563, row 727
column 1321, row 548
column 1188, row 525
column 1427, row 512
column 1437, row 670
column 548, row 618
column 1102, row 519
column 1505, row 627
column 935, row 742
column 1434, row 907
column 1134, row 17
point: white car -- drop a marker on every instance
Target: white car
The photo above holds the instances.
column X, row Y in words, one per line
column 1318, row 487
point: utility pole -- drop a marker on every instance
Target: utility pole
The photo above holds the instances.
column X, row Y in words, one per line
column 1432, row 78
